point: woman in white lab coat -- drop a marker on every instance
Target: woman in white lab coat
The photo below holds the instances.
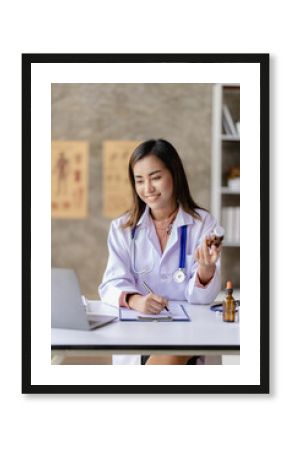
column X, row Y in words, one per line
column 146, row 243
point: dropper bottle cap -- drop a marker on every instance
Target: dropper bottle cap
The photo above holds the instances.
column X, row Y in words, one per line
column 229, row 285
column 229, row 288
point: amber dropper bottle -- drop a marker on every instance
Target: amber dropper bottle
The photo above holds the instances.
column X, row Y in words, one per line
column 229, row 304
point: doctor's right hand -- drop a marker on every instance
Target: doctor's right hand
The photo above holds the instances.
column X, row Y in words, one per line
column 148, row 304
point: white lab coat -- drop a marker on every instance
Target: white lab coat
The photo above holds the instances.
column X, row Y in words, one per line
column 120, row 275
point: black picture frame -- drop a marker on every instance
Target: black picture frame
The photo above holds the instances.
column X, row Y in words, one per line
column 259, row 59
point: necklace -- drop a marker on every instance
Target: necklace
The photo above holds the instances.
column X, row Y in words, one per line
column 165, row 225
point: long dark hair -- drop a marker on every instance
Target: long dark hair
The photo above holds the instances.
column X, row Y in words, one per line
column 165, row 151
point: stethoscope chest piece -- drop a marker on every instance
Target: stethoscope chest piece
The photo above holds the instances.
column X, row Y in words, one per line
column 179, row 276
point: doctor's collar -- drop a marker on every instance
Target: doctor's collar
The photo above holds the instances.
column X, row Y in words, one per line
column 145, row 218
column 182, row 218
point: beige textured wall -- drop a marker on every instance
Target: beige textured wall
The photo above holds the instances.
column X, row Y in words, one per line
column 180, row 113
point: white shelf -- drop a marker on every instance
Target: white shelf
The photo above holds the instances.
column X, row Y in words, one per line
column 230, row 244
column 225, row 154
column 227, row 190
column 228, row 137
column 218, row 139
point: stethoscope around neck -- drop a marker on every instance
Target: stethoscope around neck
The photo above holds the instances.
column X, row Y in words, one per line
column 179, row 275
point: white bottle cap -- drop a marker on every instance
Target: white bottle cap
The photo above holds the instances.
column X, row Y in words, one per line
column 219, row 231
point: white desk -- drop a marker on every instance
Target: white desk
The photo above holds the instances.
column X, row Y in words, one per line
column 205, row 334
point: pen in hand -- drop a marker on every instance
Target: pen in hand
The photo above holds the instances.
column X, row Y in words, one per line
column 151, row 292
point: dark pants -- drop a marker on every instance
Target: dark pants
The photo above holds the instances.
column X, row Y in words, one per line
column 191, row 361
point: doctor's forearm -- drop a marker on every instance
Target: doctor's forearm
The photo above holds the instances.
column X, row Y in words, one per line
column 133, row 300
column 206, row 273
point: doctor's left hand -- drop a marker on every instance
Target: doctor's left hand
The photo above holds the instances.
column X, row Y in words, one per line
column 207, row 258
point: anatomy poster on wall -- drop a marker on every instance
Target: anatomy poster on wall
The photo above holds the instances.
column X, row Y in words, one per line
column 116, row 187
column 69, row 179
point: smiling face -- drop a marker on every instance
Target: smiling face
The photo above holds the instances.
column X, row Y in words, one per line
column 154, row 183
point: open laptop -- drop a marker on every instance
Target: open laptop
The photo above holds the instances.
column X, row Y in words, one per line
column 67, row 309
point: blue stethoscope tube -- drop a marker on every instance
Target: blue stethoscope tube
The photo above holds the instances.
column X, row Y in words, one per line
column 182, row 251
column 179, row 275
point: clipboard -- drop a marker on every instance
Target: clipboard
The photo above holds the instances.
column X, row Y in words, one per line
column 176, row 313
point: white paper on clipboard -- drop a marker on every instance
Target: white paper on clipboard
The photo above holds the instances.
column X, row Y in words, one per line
column 176, row 312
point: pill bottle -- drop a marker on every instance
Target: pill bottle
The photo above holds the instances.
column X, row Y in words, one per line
column 216, row 237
